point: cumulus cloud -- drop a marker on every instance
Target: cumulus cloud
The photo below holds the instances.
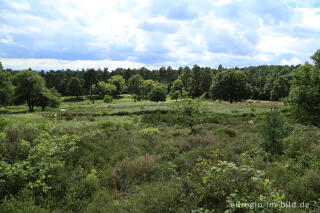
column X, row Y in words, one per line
column 158, row 33
column 292, row 61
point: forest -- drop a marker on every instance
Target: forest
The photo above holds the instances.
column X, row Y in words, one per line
column 193, row 139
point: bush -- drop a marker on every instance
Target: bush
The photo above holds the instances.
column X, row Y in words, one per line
column 136, row 171
column 108, row 99
column 305, row 188
column 46, row 154
column 191, row 112
column 217, row 184
column 158, row 93
column 82, row 192
column 154, row 198
column 195, row 141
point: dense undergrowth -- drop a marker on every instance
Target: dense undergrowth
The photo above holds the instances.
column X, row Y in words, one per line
column 152, row 163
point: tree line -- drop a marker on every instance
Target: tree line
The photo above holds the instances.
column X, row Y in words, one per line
column 298, row 86
column 260, row 82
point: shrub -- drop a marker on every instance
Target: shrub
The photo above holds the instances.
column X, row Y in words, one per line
column 158, row 118
column 195, row 141
column 158, row 93
column 136, row 171
column 154, row 198
column 219, row 184
column 68, row 117
column 191, row 112
column 149, row 131
column 29, row 133
column 305, row 188
column 298, row 143
column 108, row 99
column 231, row 133
column 3, row 124
column 82, row 192
column 105, row 124
column 13, row 134
column 34, row 171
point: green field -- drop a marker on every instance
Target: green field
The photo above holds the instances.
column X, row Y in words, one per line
column 133, row 157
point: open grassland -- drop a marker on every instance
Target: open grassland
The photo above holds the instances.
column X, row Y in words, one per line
column 143, row 160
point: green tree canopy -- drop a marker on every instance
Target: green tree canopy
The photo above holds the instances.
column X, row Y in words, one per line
column 147, row 87
column 29, row 85
column 102, row 88
column 6, row 87
column 75, row 87
column 230, row 85
column 90, row 78
column 177, row 90
column 304, row 97
column 48, row 97
column 135, row 83
column 158, row 93
column 119, row 82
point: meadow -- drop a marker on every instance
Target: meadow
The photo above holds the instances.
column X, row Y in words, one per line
column 128, row 156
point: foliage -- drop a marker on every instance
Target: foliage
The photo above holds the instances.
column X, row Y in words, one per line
column 304, row 97
column 149, row 131
column 177, row 90
column 6, row 88
column 135, row 171
column 29, row 86
column 90, row 78
column 101, row 89
column 119, row 82
column 34, row 169
column 48, row 97
column 107, row 99
column 75, row 87
column 190, row 112
column 277, row 84
column 221, row 184
column 158, row 93
column 147, row 86
column 274, row 130
column 79, row 195
column 230, row 85
column 134, row 86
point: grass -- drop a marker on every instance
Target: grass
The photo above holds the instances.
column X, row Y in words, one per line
column 117, row 168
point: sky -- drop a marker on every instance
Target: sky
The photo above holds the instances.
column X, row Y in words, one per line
column 75, row 34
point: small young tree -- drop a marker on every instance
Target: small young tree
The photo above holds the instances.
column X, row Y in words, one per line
column 158, row 93
column 273, row 131
column 191, row 112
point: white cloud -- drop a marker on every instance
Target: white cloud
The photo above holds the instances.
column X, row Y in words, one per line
column 176, row 33
column 292, row 61
column 47, row 64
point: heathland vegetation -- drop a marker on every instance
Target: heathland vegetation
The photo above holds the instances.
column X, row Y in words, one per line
column 194, row 139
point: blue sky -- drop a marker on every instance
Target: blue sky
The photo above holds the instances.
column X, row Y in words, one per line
column 56, row 34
